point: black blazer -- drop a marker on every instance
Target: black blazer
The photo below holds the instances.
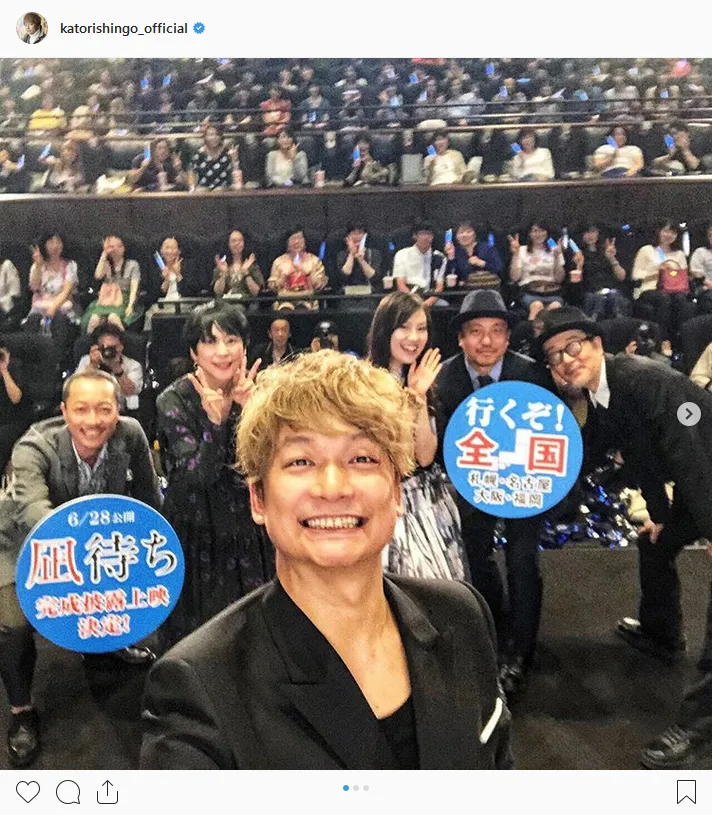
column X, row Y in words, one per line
column 641, row 421
column 259, row 687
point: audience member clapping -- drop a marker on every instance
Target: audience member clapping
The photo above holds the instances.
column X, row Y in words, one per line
column 297, row 275
column 238, row 277
column 119, row 280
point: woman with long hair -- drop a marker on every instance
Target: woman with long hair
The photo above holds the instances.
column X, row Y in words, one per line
column 660, row 268
column 537, row 269
column 427, row 541
column 120, row 279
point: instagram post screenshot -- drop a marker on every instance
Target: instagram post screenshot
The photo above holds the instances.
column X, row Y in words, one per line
column 355, row 411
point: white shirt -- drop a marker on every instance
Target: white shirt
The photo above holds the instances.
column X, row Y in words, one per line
column 625, row 157
column 538, row 163
column 701, row 263
column 414, row 266
column 602, row 395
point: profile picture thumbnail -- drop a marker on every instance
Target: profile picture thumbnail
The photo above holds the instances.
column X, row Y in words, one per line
column 31, row 28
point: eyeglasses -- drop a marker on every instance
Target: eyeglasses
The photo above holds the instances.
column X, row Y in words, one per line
column 571, row 349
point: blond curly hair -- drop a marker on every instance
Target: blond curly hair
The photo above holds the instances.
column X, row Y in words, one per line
column 326, row 390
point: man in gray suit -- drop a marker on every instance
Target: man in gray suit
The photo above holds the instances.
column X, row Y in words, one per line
column 89, row 450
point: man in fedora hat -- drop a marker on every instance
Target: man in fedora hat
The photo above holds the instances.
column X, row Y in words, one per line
column 483, row 328
column 644, row 409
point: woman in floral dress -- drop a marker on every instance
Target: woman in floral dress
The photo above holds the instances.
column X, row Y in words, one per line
column 207, row 502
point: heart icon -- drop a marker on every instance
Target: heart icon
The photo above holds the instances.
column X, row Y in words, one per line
column 28, row 790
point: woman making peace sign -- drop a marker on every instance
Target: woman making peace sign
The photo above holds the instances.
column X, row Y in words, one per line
column 207, row 503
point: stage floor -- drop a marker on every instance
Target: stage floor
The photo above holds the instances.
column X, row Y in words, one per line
column 592, row 703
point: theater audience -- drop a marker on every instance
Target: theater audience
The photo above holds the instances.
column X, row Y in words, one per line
column 599, row 275
column 314, row 109
column 118, row 291
column 206, row 501
column 48, row 117
column 287, row 165
column 476, row 264
column 107, row 354
column 537, row 269
column 445, row 166
column 276, row 111
column 532, row 163
column 617, row 158
column 212, row 164
column 365, row 169
column 10, row 289
column 278, row 349
column 661, row 270
column 161, row 170
column 297, row 275
column 420, row 267
column 66, row 173
column 701, row 270
column 679, row 159
column 53, row 282
column 701, row 374
column 359, row 263
column 240, row 276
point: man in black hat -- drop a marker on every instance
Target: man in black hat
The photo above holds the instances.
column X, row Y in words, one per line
column 648, row 410
column 483, row 327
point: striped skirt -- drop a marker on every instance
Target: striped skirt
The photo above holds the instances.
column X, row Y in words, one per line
column 427, row 541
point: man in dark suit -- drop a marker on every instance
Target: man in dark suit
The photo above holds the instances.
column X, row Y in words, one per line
column 332, row 665
column 641, row 407
column 636, row 406
column 87, row 451
column 483, row 327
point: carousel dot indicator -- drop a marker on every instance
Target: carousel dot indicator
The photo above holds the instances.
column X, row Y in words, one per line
column 346, row 787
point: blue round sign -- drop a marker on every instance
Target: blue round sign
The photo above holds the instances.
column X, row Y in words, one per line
column 513, row 449
column 100, row 573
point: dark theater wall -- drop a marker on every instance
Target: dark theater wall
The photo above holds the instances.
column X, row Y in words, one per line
column 329, row 209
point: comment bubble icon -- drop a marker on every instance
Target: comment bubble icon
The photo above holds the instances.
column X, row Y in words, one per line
column 68, row 792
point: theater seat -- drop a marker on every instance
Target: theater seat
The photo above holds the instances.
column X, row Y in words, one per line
column 123, row 152
column 695, row 336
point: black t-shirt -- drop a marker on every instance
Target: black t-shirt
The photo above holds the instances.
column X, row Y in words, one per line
column 398, row 729
column 597, row 272
column 357, row 276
